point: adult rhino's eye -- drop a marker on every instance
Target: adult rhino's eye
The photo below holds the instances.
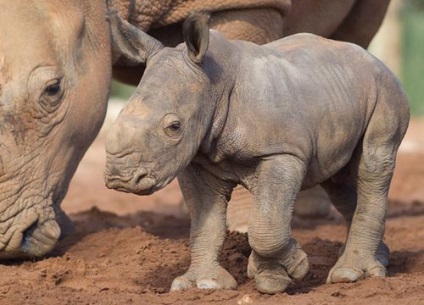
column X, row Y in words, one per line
column 52, row 95
column 53, row 89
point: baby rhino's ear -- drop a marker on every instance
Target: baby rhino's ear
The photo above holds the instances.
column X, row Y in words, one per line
column 196, row 36
column 130, row 42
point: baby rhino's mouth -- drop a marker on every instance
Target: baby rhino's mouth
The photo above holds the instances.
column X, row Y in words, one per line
column 144, row 186
column 138, row 182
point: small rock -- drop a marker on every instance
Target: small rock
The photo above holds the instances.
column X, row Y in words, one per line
column 246, row 299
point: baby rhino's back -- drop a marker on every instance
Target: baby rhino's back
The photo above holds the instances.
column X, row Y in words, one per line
column 344, row 87
column 304, row 84
column 312, row 79
column 305, row 49
column 316, row 95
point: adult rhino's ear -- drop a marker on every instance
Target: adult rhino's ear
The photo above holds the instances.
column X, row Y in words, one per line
column 196, row 36
column 130, row 42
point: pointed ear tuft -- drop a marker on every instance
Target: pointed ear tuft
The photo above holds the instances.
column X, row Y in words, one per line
column 196, row 35
column 130, row 42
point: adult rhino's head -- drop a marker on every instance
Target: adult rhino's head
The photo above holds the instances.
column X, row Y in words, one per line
column 55, row 70
column 160, row 129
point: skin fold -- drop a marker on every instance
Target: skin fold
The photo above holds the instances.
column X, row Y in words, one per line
column 279, row 118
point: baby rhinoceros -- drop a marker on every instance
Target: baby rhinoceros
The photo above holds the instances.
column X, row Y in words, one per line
column 276, row 119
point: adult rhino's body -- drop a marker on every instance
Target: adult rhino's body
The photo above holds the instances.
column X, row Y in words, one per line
column 259, row 21
column 55, row 71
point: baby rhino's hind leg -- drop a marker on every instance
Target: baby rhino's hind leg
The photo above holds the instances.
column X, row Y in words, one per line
column 365, row 254
column 359, row 258
column 342, row 190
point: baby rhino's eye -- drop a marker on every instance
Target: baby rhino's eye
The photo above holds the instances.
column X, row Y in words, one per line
column 172, row 125
column 173, row 129
column 175, row 126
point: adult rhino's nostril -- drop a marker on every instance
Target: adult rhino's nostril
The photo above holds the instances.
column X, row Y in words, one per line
column 40, row 238
column 27, row 234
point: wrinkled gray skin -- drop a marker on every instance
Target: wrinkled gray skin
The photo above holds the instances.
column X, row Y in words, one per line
column 276, row 119
column 55, row 71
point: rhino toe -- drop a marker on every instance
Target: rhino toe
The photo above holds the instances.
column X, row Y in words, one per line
column 273, row 275
column 181, row 283
column 345, row 275
column 272, row 281
column 205, row 278
column 349, row 270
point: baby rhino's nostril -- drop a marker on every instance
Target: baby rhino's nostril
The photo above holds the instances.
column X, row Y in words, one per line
column 140, row 175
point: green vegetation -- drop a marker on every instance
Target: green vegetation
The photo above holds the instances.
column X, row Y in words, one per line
column 413, row 54
column 120, row 90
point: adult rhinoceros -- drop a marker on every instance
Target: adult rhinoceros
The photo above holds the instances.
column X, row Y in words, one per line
column 55, row 72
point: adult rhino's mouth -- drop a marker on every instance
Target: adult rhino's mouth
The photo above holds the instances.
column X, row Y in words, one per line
column 35, row 235
column 40, row 238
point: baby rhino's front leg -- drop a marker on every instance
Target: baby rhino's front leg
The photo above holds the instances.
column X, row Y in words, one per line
column 206, row 197
column 276, row 258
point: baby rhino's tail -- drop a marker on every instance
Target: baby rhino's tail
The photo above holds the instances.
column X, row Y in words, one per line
column 392, row 108
column 388, row 122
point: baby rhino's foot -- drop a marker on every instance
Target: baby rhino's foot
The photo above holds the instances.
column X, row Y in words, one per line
column 352, row 267
column 204, row 278
column 273, row 275
column 382, row 254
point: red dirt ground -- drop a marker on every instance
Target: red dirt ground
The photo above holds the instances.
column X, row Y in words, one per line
column 127, row 249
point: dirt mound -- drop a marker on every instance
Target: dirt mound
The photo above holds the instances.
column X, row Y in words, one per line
column 133, row 259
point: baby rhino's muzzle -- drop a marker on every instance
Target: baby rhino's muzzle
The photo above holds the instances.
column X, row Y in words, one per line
column 124, row 169
column 126, row 180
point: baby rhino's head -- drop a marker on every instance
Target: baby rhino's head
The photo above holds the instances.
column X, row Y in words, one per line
column 160, row 129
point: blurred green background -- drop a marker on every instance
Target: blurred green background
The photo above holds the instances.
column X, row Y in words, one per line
column 412, row 64
column 120, row 90
column 399, row 44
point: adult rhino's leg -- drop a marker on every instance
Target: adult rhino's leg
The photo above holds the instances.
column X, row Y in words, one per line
column 312, row 203
column 239, row 209
column 206, row 197
column 363, row 22
column 276, row 258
